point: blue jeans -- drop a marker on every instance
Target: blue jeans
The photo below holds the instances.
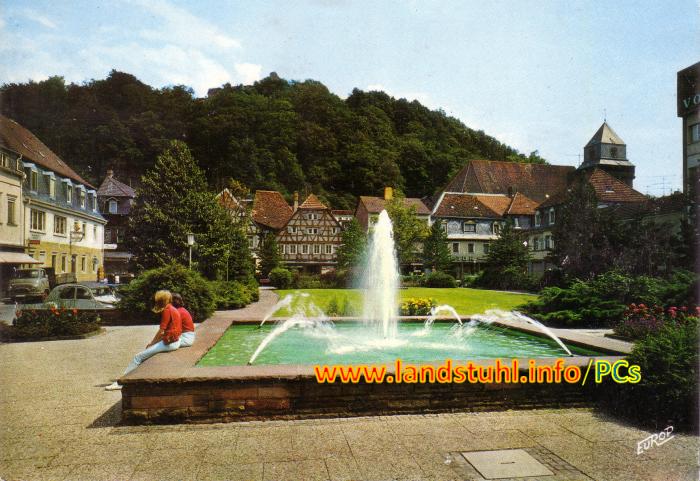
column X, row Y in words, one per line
column 151, row 351
column 187, row 339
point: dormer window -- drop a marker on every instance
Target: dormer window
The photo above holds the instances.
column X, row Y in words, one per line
column 609, row 189
column 112, row 206
column 469, row 227
column 34, row 180
column 68, row 186
column 52, row 186
column 551, row 216
column 82, row 199
column 613, row 152
column 538, row 219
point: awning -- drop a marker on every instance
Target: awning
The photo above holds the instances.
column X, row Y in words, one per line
column 17, row 258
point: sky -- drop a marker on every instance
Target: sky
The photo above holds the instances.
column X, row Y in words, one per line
column 537, row 75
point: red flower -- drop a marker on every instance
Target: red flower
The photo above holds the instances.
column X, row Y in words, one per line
column 75, row 312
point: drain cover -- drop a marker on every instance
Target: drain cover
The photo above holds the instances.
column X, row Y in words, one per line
column 506, row 463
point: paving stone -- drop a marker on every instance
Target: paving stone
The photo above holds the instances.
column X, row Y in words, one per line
column 342, row 468
column 307, row 470
column 230, row 472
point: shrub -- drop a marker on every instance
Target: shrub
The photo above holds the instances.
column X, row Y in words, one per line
column 470, row 280
column 348, row 309
column 511, row 278
column 440, row 279
column 416, row 306
column 599, row 302
column 231, row 295
column 281, row 278
column 411, row 280
column 667, row 392
column 39, row 323
column 639, row 321
column 197, row 293
column 333, row 308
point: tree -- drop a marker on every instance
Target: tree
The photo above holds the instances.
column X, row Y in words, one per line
column 581, row 245
column 269, row 254
column 172, row 202
column 436, row 254
column 409, row 230
column 506, row 262
column 352, row 247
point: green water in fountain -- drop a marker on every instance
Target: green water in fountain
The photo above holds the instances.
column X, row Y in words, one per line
column 353, row 343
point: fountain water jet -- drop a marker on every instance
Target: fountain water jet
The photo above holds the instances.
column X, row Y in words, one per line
column 381, row 278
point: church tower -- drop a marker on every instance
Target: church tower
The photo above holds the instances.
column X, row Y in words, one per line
column 607, row 151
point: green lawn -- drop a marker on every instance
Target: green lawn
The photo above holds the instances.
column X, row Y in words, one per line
column 465, row 301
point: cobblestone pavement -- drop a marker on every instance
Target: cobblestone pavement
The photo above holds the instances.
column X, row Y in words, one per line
column 58, row 423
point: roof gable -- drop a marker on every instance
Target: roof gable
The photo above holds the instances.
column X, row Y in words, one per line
column 375, row 205
column 458, row 204
column 111, row 187
column 312, row 202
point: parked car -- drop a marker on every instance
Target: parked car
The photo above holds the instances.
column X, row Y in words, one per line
column 28, row 284
column 103, row 292
column 71, row 296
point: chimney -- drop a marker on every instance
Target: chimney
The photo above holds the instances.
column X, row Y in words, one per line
column 388, row 193
column 296, row 201
column 110, row 173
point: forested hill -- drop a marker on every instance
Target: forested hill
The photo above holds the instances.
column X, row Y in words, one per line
column 275, row 134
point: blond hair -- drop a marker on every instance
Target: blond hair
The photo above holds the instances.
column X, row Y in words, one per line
column 162, row 299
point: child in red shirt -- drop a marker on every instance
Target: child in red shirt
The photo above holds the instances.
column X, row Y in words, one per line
column 187, row 337
column 166, row 339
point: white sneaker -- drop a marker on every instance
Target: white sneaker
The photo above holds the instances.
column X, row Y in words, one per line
column 115, row 386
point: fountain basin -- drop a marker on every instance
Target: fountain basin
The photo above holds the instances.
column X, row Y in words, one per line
column 177, row 387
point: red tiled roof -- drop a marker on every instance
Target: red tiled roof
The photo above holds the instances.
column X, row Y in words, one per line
column 15, row 137
column 607, row 188
column 472, row 205
column 111, row 187
column 521, row 205
column 375, row 205
column 227, row 200
column 342, row 212
column 535, row 181
column 610, row 189
column 270, row 209
column 312, row 202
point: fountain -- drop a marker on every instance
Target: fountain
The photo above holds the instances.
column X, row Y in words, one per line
column 381, row 335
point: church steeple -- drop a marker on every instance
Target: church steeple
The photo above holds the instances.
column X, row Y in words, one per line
column 607, row 151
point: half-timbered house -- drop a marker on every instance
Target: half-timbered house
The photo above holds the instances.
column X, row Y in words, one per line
column 311, row 237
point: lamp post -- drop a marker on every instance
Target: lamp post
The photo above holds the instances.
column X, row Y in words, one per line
column 190, row 243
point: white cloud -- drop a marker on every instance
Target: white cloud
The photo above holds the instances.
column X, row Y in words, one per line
column 39, row 18
column 248, row 72
column 183, row 28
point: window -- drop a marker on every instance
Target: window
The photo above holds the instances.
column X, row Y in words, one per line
column 455, row 247
column 42, row 257
column 469, row 227
column 317, row 248
column 329, row 249
column 313, row 216
column 486, row 248
column 95, row 263
column 470, row 248
column 293, row 249
column 82, row 199
column 113, row 206
column 536, row 243
column 11, row 217
column 83, row 264
column 312, row 230
column 94, row 232
column 52, row 186
column 694, row 134
column 336, row 230
column 120, row 235
column 63, row 263
column 538, row 218
column 291, row 229
column 304, row 248
column 69, row 193
column 551, row 216
column 613, row 152
column 4, row 159
column 496, row 228
column 59, row 225
column 37, row 220
column 548, row 242
column 34, row 181
column 281, row 249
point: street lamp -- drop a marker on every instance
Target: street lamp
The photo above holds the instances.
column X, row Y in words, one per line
column 190, row 243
